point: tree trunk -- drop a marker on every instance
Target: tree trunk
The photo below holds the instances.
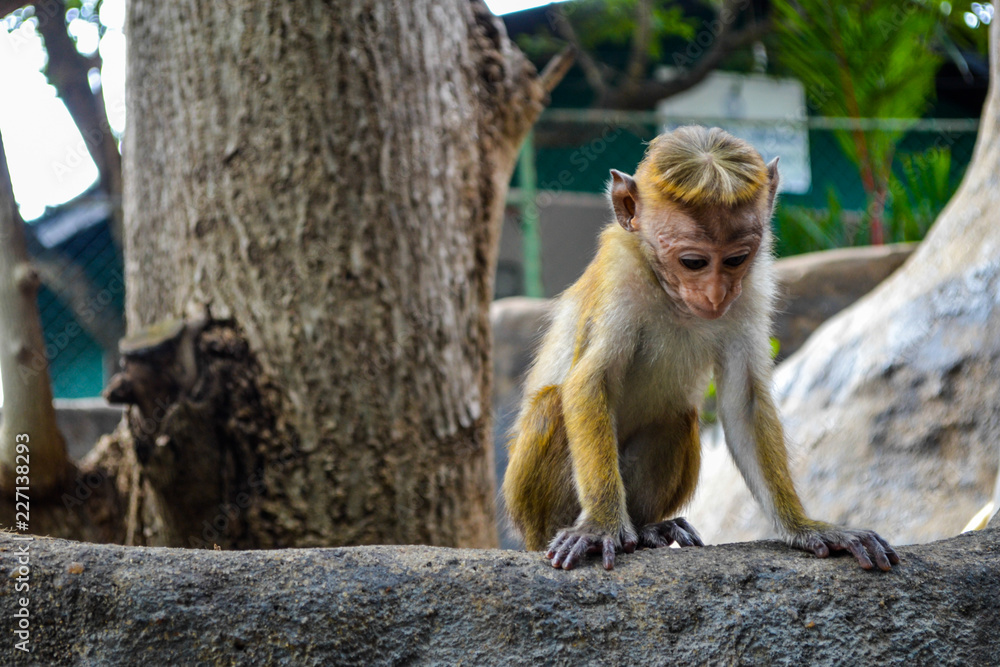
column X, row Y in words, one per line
column 32, row 450
column 318, row 190
column 893, row 402
column 745, row 604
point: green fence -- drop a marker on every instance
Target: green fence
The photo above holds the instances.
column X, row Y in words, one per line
column 571, row 150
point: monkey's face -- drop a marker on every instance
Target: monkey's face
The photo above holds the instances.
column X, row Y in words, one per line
column 699, row 254
column 702, row 257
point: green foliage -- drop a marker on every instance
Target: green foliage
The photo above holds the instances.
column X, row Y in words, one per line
column 919, row 195
column 860, row 58
column 863, row 59
column 919, row 188
column 800, row 229
column 612, row 22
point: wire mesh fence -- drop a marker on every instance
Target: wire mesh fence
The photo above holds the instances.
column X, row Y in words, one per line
column 81, row 299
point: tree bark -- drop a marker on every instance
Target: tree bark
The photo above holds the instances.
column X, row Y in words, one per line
column 892, row 404
column 325, row 184
column 32, row 450
column 757, row 604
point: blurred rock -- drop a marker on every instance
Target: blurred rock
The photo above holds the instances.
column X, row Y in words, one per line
column 816, row 286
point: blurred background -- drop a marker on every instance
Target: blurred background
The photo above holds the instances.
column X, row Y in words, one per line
column 872, row 107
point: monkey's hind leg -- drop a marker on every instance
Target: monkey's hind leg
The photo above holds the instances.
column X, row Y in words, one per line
column 538, row 485
column 663, row 464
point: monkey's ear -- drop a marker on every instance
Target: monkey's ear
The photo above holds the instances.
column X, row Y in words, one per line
column 624, row 198
column 773, row 178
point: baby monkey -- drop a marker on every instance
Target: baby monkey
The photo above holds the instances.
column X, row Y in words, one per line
column 606, row 448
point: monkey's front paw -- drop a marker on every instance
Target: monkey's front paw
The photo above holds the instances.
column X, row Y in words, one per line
column 665, row 533
column 864, row 545
column 571, row 544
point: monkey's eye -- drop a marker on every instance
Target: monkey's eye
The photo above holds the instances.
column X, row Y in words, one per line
column 694, row 263
column 736, row 261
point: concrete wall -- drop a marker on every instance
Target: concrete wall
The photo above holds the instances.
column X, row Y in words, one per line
column 570, row 224
column 84, row 420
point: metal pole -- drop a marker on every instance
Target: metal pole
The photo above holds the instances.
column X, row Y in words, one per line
column 531, row 233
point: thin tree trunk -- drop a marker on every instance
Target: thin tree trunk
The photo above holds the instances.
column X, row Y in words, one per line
column 32, row 450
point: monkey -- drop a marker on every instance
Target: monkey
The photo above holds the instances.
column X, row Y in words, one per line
column 606, row 447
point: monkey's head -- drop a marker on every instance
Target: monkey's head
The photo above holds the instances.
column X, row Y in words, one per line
column 700, row 202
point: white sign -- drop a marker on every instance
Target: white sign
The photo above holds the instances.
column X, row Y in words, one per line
column 770, row 113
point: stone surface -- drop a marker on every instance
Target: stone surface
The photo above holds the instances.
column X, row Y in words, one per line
column 759, row 604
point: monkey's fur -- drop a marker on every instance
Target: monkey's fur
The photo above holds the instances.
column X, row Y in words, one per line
column 605, row 449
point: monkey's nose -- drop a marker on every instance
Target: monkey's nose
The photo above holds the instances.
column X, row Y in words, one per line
column 716, row 296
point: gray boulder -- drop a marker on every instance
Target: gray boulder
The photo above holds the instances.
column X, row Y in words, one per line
column 758, row 604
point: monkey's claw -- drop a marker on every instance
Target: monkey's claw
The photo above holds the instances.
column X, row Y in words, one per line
column 665, row 533
column 570, row 546
column 864, row 545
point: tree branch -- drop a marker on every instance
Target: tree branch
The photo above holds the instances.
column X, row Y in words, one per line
column 29, row 436
column 753, row 602
column 636, row 68
column 591, row 70
column 648, row 93
column 68, row 70
column 520, row 91
column 556, row 68
column 70, row 283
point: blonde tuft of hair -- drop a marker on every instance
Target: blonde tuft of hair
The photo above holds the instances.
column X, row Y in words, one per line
column 698, row 166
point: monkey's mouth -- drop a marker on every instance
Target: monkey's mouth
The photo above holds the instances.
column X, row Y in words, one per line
column 706, row 313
